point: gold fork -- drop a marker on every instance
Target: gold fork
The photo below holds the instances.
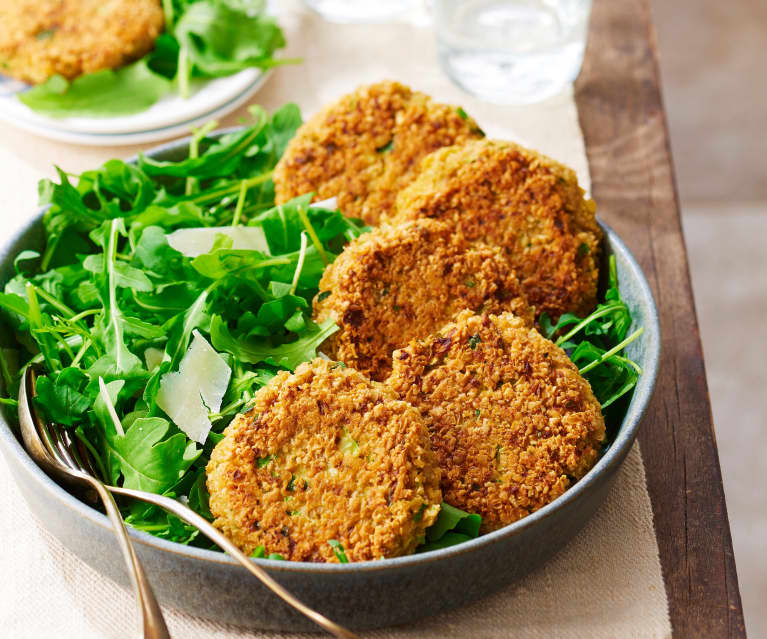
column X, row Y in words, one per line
column 60, row 455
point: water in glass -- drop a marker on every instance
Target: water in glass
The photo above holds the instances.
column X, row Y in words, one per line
column 511, row 51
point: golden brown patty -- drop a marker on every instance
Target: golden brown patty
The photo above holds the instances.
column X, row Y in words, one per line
column 511, row 420
column 325, row 454
column 366, row 146
column 40, row 38
column 398, row 283
column 529, row 205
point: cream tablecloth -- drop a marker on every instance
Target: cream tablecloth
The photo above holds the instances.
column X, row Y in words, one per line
column 606, row 583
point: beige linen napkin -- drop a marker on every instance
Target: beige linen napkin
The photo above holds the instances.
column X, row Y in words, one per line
column 606, row 583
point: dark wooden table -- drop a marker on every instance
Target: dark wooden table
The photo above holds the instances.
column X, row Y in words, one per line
column 621, row 112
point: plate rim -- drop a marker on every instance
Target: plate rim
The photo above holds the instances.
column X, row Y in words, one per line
column 11, row 107
column 139, row 137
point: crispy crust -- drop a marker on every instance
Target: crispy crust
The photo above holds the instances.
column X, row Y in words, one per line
column 398, row 283
column 40, row 38
column 377, row 498
column 528, row 204
column 343, row 150
column 538, row 425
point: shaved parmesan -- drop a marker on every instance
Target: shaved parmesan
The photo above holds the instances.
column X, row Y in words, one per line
column 331, row 204
column 153, row 357
column 196, row 390
column 197, row 241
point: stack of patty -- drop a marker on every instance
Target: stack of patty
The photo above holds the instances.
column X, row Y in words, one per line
column 367, row 146
column 436, row 306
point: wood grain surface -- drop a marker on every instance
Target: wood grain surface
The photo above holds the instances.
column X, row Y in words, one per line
column 621, row 112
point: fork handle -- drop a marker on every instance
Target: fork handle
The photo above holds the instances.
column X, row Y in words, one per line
column 204, row 526
column 152, row 618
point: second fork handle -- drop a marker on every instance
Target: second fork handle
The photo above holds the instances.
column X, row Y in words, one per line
column 204, row 526
column 152, row 619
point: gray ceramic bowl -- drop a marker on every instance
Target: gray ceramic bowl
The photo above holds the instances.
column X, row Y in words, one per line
column 362, row 595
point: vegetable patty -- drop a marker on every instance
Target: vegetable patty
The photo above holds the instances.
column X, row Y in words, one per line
column 366, row 146
column 325, row 454
column 398, row 283
column 511, row 420
column 41, row 38
column 524, row 202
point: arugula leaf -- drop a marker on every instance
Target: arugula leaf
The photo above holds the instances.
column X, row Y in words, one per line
column 594, row 343
column 221, row 38
column 275, row 314
column 453, row 519
column 338, row 551
column 16, row 305
column 100, row 94
column 62, row 398
column 199, row 497
column 125, row 275
column 163, row 59
column 24, row 256
column 118, row 357
column 259, row 552
column 262, row 144
column 181, row 327
column 223, row 262
column 154, row 254
column 288, row 355
column 283, row 224
column 149, row 461
column 453, row 526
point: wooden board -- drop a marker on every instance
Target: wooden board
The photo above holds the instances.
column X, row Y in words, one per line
column 621, row 113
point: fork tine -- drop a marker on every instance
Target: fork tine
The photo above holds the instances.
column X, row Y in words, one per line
column 49, row 439
column 64, row 454
column 39, row 424
column 67, row 455
column 78, row 452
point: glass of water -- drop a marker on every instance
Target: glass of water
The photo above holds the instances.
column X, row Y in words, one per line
column 511, row 51
column 349, row 11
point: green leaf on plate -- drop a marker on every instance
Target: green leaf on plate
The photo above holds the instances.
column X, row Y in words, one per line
column 101, row 94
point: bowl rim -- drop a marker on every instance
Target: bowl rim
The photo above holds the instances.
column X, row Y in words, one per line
column 606, row 465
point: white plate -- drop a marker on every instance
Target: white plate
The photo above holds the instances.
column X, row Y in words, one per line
column 171, row 115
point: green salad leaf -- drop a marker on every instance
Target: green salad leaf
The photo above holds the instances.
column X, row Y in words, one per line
column 453, row 526
column 147, row 458
column 221, row 38
column 596, row 343
column 338, row 551
column 130, row 89
column 202, row 39
column 109, row 307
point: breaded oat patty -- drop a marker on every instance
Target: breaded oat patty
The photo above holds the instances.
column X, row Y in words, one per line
column 511, row 420
column 366, row 146
column 526, row 203
column 402, row 282
column 40, row 38
column 325, row 454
